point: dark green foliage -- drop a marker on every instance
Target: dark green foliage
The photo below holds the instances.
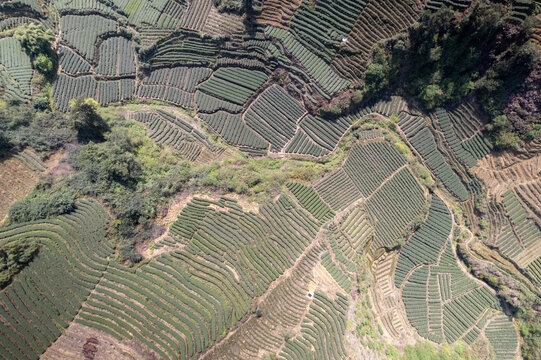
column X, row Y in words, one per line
column 85, row 119
column 502, row 133
column 448, row 56
column 22, row 127
column 14, row 255
column 5, row 144
column 44, row 201
column 104, row 165
column 234, row 5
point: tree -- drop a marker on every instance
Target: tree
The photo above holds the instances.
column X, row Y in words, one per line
column 34, row 38
column 85, row 119
column 14, row 255
column 506, row 139
column 5, row 144
column 248, row 6
column 375, row 76
column 37, row 42
column 44, row 64
column 432, row 95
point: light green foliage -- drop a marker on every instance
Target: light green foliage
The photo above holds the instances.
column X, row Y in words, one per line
column 432, row 95
column 502, row 133
column 34, row 38
column 427, row 351
column 43, row 64
column 258, row 178
column 37, row 42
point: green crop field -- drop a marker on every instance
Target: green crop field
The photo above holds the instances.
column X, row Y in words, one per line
column 270, row 179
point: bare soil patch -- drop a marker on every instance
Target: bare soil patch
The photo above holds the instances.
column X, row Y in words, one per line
column 505, row 170
column 81, row 342
column 16, row 181
column 278, row 12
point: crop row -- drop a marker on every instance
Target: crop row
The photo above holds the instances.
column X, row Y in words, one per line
column 468, row 151
column 379, row 20
column 117, row 57
column 338, row 275
column 338, row 190
column 186, row 48
column 393, row 206
column 274, row 115
column 322, row 332
column 465, row 123
column 443, row 304
column 502, row 335
column 302, row 144
column 207, row 104
column 421, row 138
column 81, row 32
column 233, row 84
column 534, row 269
column 368, row 165
column 321, row 28
column 316, row 67
column 18, row 66
column 435, row 5
column 358, row 228
column 66, row 88
column 522, row 234
column 181, row 77
column 233, row 130
column 72, row 63
column 196, row 15
column 31, row 160
column 166, row 93
column 162, row 132
column 325, row 133
column 311, row 201
column 145, row 303
column 425, row 245
column 43, row 299
column 175, row 132
column 344, row 252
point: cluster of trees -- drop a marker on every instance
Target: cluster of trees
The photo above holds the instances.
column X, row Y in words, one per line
column 44, row 201
column 37, row 42
column 113, row 160
column 14, row 255
column 448, row 56
column 238, row 6
column 22, row 126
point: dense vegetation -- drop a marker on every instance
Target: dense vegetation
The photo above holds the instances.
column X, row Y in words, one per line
column 14, row 255
column 449, row 56
column 317, row 155
column 37, row 42
column 22, row 126
column 134, row 176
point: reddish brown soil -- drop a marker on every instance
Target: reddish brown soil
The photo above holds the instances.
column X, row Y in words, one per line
column 278, row 12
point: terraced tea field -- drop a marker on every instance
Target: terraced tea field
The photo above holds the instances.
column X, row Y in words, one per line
column 376, row 224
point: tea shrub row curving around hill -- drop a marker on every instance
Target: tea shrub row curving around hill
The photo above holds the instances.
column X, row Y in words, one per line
column 276, row 179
